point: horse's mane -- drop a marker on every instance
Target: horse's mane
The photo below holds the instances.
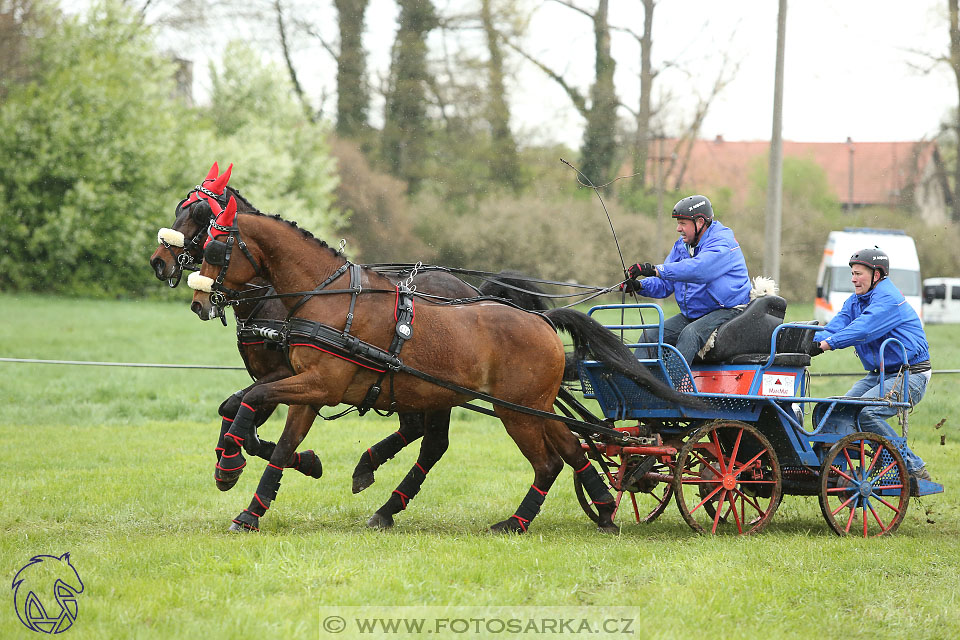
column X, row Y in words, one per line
column 303, row 232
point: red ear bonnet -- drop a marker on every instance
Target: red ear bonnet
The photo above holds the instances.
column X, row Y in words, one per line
column 224, row 218
column 213, row 182
column 220, row 183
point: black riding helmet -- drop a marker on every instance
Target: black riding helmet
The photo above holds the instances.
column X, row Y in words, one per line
column 873, row 258
column 693, row 207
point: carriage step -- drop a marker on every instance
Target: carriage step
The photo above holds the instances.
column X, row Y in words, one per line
column 924, row 487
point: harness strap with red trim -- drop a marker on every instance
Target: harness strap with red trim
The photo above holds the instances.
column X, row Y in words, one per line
column 301, row 332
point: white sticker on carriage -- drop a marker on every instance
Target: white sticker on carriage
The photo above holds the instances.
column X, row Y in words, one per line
column 778, row 384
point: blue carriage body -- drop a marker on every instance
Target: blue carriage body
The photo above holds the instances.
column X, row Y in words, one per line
column 769, row 393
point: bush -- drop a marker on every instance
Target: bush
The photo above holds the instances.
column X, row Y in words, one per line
column 380, row 227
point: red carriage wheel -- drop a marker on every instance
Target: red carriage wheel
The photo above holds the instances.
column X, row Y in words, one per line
column 641, row 487
column 727, row 479
column 864, row 486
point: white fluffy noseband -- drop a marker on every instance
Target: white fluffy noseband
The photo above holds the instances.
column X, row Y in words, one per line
column 198, row 282
column 171, row 237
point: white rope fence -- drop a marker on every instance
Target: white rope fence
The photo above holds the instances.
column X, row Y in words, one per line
column 148, row 365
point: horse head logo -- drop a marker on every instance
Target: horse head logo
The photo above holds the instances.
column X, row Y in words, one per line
column 43, row 581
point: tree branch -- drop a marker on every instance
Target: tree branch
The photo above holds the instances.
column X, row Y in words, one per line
column 575, row 96
column 570, row 5
column 310, row 31
column 285, row 47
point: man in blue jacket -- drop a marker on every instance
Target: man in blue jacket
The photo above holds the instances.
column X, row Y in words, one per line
column 706, row 273
column 875, row 312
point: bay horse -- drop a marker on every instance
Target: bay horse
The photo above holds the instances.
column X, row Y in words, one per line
column 181, row 246
column 337, row 345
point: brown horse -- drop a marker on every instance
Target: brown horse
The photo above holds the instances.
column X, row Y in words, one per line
column 338, row 349
column 181, row 246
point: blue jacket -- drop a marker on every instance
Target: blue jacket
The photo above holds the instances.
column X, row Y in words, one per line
column 865, row 321
column 714, row 277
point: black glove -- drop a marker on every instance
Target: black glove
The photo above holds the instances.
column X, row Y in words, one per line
column 645, row 269
column 814, row 350
column 631, row 286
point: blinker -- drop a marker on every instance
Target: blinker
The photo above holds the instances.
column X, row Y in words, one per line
column 215, row 253
column 201, row 213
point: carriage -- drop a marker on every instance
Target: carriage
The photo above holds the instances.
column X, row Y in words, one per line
column 726, row 437
column 729, row 463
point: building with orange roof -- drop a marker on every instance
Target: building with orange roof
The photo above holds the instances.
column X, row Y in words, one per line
column 860, row 174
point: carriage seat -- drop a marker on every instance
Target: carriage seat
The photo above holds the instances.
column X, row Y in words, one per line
column 745, row 339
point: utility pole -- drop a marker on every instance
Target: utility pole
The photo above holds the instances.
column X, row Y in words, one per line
column 771, row 256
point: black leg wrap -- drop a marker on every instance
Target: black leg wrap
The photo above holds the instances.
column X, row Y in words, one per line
column 308, row 463
column 228, row 408
column 246, row 520
column 385, row 450
column 243, row 428
column 529, row 506
column 266, row 490
column 231, row 463
column 265, row 452
column 407, row 490
column 224, row 427
column 595, row 486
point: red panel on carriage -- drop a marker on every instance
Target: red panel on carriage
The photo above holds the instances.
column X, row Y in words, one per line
column 726, row 381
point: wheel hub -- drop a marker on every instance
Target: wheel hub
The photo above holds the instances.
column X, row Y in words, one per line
column 866, row 488
column 729, row 481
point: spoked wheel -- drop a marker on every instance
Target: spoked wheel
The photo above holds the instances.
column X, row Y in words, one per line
column 727, row 479
column 864, row 486
column 645, row 481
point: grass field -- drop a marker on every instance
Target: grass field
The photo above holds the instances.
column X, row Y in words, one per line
column 114, row 466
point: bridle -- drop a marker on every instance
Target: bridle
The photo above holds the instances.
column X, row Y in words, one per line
column 218, row 253
column 192, row 249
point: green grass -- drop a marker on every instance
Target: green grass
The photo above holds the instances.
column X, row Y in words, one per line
column 114, row 466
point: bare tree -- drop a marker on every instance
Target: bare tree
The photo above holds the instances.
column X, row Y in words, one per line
column 405, row 126
column 599, row 140
column 285, row 49
column 643, row 114
column 954, row 61
column 681, row 156
column 506, row 167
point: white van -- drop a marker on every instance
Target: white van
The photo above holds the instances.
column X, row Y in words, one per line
column 833, row 278
column 941, row 300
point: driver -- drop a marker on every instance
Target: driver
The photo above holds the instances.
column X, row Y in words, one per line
column 876, row 312
column 706, row 273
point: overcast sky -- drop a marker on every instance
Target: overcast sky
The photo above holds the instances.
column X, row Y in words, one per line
column 847, row 65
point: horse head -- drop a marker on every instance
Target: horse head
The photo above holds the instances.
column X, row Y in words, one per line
column 181, row 246
column 219, row 279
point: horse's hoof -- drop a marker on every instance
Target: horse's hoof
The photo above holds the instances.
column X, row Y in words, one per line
column 510, row 525
column 228, row 471
column 362, row 481
column 308, row 463
column 225, row 485
column 380, row 521
column 609, row 527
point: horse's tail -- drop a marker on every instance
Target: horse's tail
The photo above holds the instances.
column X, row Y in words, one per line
column 591, row 340
column 515, row 287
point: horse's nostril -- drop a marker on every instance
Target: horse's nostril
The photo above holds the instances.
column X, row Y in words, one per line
column 158, row 266
column 196, row 307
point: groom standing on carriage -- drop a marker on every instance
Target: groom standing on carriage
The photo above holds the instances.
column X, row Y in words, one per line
column 706, row 273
